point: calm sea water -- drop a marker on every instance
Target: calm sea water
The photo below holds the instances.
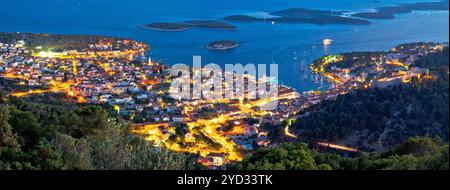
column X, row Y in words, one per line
column 261, row 43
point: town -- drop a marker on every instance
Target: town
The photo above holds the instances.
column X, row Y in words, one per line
column 375, row 69
column 118, row 73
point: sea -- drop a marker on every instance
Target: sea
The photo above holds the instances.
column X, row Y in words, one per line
column 292, row 46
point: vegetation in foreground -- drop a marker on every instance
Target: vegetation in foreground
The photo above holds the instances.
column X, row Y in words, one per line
column 45, row 137
column 416, row 153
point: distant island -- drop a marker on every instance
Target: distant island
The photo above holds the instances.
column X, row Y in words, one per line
column 389, row 12
column 323, row 17
column 222, row 45
column 302, row 16
column 181, row 26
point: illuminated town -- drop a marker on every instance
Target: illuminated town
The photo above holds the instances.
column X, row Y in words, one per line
column 380, row 69
column 118, row 73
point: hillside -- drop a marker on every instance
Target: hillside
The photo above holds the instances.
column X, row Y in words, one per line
column 378, row 119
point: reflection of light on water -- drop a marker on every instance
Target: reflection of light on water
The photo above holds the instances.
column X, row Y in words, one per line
column 327, row 42
column 326, row 45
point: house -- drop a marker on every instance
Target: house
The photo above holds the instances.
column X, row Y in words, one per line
column 120, row 101
column 157, row 118
column 180, row 118
column 139, row 108
column 214, row 160
column 262, row 140
column 142, row 96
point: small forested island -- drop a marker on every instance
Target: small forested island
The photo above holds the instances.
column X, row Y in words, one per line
column 181, row 26
column 302, row 16
column 222, row 45
column 389, row 12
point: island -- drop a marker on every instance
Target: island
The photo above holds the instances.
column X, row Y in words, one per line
column 302, row 16
column 389, row 12
column 222, row 45
column 185, row 25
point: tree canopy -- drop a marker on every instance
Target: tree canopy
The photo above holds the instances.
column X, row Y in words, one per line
column 49, row 137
